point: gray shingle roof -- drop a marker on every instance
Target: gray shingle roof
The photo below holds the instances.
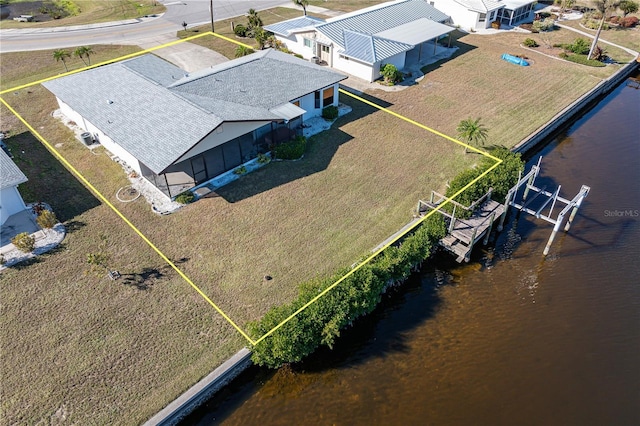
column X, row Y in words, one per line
column 155, row 69
column 265, row 80
column 286, row 28
column 157, row 116
column 10, row 174
column 143, row 117
column 375, row 20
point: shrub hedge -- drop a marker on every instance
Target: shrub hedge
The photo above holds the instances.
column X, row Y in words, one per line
column 185, row 198
column 501, row 179
column 47, row 219
column 291, row 150
column 582, row 59
column 330, row 112
column 320, row 323
column 358, row 294
column 24, row 242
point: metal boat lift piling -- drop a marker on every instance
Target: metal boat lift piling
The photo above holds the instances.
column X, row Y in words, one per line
column 528, row 182
column 463, row 234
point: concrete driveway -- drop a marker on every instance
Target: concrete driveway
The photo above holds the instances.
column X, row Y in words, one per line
column 188, row 56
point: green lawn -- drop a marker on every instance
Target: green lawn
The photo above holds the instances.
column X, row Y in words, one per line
column 93, row 11
column 98, row 351
column 20, row 68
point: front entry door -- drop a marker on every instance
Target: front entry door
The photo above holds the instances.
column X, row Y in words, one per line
column 325, row 53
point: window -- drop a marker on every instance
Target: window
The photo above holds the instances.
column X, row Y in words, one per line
column 325, row 49
column 316, row 96
column 307, row 42
column 327, row 96
column 483, row 17
column 492, row 15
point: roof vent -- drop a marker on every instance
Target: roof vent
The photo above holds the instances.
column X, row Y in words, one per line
column 186, row 74
column 109, row 101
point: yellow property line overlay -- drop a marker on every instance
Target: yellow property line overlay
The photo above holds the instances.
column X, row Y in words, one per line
column 173, row 265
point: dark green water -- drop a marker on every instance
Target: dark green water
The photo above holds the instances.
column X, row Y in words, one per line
column 512, row 338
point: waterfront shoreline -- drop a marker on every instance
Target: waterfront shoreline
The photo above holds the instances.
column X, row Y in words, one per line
column 192, row 399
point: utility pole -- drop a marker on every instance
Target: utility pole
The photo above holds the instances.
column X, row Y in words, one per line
column 211, row 10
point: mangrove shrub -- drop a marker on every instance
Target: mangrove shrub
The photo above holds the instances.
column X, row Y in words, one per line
column 356, row 295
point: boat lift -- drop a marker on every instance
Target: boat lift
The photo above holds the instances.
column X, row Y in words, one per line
column 528, row 182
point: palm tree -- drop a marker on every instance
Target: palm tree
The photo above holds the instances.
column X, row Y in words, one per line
column 303, row 3
column 62, row 55
column 261, row 37
column 243, row 51
column 603, row 6
column 472, row 131
column 255, row 22
column 79, row 52
column 88, row 51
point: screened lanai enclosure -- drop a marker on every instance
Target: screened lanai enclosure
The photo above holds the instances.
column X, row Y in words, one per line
column 203, row 167
column 516, row 12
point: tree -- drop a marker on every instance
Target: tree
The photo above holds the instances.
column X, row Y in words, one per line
column 255, row 23
column 261, row 37
column 62, row 55
column 303, row 3
column 83, row 51
column 603, row 6
column 627, row 7
column 391, row 74
column 88, row 51
column 472, row 131
column 243, row 51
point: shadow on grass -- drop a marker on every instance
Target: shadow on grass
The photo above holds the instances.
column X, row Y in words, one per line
column 49, row 180
column 320, row 151
column 146, row 278
column 455, row 42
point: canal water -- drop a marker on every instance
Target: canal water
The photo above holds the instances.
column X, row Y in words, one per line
column 512, row 338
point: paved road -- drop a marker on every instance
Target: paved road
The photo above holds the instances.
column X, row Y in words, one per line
column 143, row 31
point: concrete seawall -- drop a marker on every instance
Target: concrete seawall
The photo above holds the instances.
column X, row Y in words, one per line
column 199, row 393
column 570, row 112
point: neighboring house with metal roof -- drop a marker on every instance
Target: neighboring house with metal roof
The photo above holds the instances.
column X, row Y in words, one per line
column 479, row 14
column 179, row 130
column 10, row 177
column 360, row 42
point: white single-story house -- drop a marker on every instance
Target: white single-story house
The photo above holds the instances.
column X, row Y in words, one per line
column 358, row 43
column 179, row 130
column 479, row 14
column 10, row 177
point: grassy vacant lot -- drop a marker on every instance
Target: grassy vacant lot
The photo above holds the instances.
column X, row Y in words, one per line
column 97, row 351
column 92, row 11
column 15, row 73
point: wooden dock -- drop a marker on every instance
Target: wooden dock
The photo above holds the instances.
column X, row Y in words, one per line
column 463, row 234
column 467, row 232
